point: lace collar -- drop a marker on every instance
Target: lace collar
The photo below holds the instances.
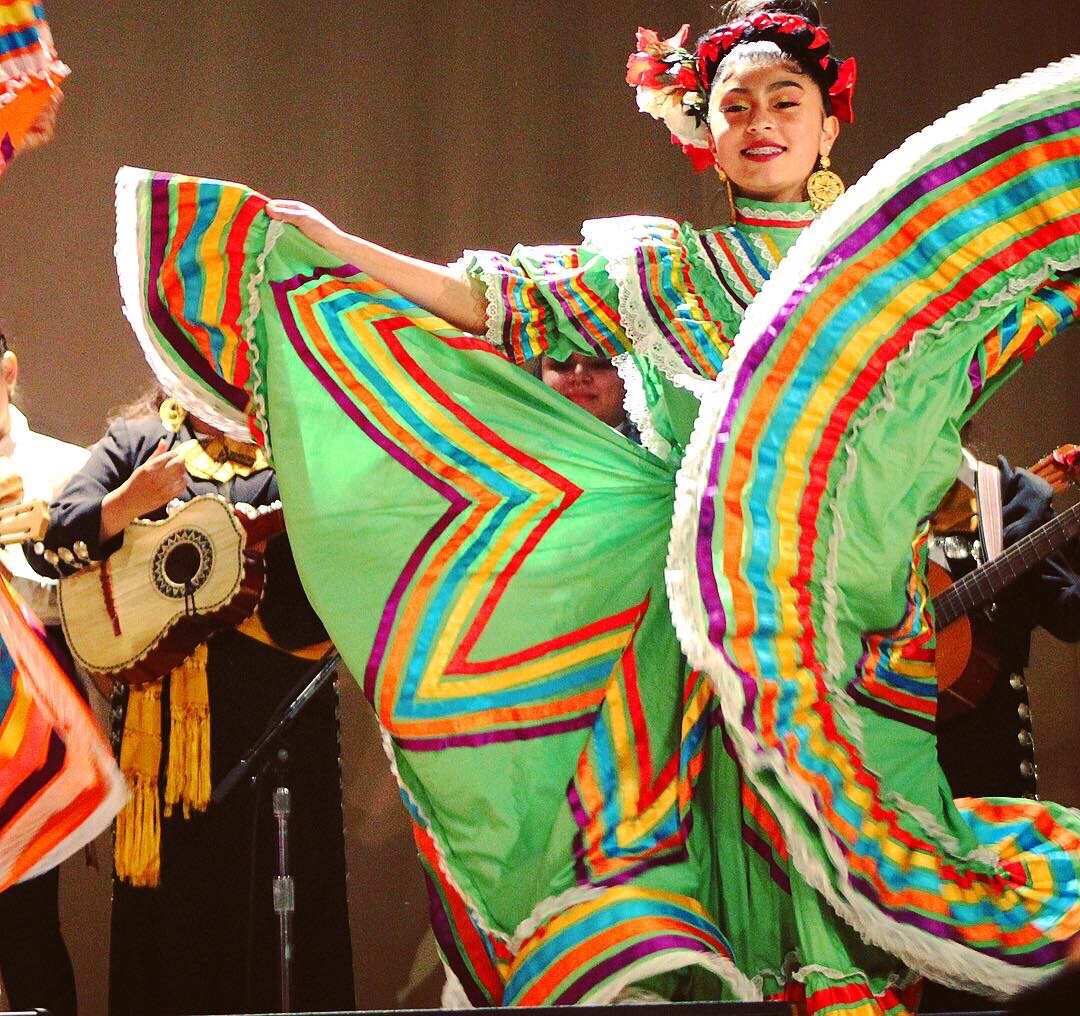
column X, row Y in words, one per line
column 791, row 216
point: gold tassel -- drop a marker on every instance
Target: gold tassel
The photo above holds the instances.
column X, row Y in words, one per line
column 187, row 779
column 137, row 846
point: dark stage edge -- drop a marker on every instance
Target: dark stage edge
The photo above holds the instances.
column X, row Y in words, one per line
column 631, row 1009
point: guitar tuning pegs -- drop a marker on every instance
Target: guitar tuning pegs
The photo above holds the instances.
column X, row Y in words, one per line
column 82, row 552
column 66, row 555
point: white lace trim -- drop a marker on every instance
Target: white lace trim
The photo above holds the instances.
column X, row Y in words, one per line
column 130, row 243
column 495, row 309
column 747, row 263
column 638, row 996
column 551, row 907
column 946, row 961
column 614, row 239
column 48, row 69
column 793, row 969
column 769, row 211
column 258, row 399
column 453, row 994
column 722, row 266
column 898, row 981
column 637, row 409
column 767, row 256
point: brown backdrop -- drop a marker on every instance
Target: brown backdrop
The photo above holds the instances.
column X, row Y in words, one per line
column 432, row 127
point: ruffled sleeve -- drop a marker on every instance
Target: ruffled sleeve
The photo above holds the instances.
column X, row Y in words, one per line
column 553, row 300
column 635, row 284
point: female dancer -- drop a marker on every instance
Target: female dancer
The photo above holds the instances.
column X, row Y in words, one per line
column 594, row 813
column 58, row 784
column 34, row 960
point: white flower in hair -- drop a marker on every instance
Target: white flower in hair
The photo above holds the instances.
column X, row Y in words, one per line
column 665, row 76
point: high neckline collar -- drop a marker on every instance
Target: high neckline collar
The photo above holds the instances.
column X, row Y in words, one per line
column 754, row 214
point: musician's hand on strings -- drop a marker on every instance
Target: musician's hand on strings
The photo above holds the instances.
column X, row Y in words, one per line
column 1026, row 502
column 159, row 479
column 162, row 477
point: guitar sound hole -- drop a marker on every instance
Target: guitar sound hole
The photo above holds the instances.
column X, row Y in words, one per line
column 182, row 563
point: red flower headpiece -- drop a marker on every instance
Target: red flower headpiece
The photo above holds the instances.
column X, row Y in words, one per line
column 807, row 42
column 673, row 83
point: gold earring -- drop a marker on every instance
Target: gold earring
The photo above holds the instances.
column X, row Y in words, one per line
column 726, row 181
column 823, row 186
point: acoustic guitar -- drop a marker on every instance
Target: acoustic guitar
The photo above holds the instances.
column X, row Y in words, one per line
column 27, row 520
column 173, row 584
column 966, row 667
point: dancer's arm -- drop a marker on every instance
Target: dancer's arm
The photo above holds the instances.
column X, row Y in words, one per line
column 446, row 292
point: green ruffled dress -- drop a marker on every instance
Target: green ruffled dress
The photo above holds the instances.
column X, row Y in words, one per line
column 518, row 588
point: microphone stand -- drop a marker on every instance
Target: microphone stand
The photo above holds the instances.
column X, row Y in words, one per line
column 254, row 761
column 284, row 896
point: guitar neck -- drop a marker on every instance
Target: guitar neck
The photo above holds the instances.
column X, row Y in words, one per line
column 27, row 520
column 983, row 584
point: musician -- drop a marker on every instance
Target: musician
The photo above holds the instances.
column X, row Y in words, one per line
column 34, row 961
column 182, row 938
column 594, row 384
column 989, row 751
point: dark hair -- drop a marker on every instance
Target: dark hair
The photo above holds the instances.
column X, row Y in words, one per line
column 736, row 10
column 147, row 404
column 3, row 343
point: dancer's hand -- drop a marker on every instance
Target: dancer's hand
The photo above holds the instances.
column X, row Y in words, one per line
column 310, row 221
column 444, row 291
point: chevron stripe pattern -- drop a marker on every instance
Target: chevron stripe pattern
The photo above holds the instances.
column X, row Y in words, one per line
column 59, row 786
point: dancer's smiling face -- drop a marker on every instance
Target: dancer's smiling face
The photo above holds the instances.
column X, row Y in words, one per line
column 768, row 125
